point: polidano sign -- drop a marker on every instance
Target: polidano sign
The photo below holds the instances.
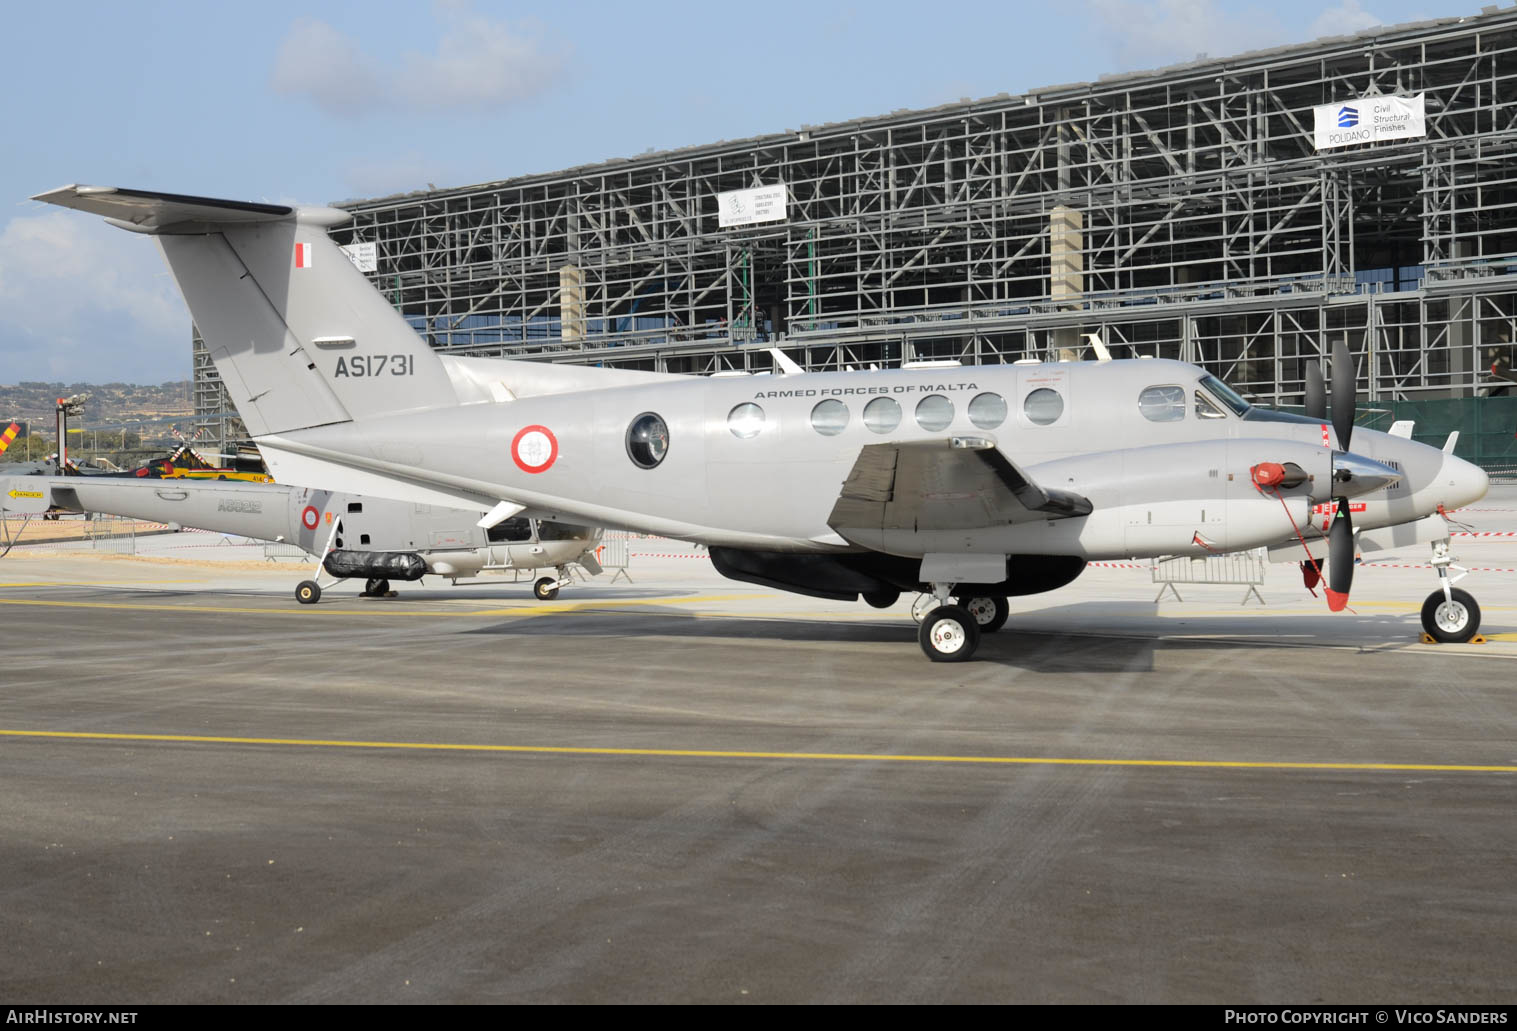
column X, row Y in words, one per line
column 1368, row 119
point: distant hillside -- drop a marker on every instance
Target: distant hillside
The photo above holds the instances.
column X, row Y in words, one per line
column 109, row 403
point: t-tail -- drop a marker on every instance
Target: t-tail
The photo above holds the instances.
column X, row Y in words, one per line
column 297, row 333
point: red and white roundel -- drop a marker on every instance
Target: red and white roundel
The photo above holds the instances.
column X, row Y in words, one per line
column 310, row 518
column 534, row 449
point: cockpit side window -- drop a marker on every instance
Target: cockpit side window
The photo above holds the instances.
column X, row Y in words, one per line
column 1206, row 408
column 1163, row 403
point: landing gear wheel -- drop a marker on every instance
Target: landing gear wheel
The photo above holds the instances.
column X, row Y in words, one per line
column 544, row 589
column 308, row 592
column 949, row 634
column 882, row 599
column 990, row 613
column 377, row 587
column 1452, row 620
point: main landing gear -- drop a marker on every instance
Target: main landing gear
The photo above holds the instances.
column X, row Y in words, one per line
column 1449, row 615
column 308, row 592
column 546, row 588
column 951, row 632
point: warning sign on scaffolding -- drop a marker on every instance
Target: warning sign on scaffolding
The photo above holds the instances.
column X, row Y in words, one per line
column 746, row 207
column 364, row 255
column 1369, row 119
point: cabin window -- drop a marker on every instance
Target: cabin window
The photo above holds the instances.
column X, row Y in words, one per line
column 1043, row 406
column 510, row 530
column 746, row 421
column 1162, row 404
column 1206, row 408
column 647, row 440
column 548, row 531
column 987, row 411
column 934, row 412
column 355, row 507
column 882, row 415
column 830, row 417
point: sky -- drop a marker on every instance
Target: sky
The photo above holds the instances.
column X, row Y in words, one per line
column 318, row 102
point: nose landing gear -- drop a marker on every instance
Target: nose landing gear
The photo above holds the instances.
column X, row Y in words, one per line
column 1449, row 615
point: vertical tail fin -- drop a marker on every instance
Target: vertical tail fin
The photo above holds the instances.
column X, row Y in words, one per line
column 299, row 337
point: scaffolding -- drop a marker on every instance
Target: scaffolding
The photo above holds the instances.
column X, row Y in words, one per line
column 1182, row 213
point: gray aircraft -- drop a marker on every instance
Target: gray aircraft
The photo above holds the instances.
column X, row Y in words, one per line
column 367, row 538
column 971, row 484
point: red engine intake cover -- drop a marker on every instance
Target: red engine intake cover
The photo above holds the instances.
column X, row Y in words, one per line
column 1268, row 474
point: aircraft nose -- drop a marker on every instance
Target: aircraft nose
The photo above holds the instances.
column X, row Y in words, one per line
column 1463, row 482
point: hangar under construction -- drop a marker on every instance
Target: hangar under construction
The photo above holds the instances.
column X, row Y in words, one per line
column 1240, row 213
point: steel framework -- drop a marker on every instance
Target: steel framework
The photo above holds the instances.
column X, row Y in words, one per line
column 1207, row 227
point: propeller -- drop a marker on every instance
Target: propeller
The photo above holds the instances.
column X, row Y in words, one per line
column 1316, row 393
column 1340, row 535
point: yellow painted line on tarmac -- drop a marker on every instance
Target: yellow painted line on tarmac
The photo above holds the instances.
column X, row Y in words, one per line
column 711, row 753
column 102, row 583
column 379, row 608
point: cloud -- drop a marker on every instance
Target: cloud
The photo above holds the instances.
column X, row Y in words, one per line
column 1144, row 34
column 1345, row 19
column 479, row 64
column 1153, row 33
column 83, row 302
column 317, row 61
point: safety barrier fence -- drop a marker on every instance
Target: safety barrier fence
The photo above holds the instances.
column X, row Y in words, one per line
column 84, row 532
column 1239, row 567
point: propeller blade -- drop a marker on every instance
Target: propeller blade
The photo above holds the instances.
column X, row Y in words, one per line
column 1344, row 377
column 1340, row 558
column 1316, row 392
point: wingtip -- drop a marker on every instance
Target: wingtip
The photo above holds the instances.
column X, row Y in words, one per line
column 1336, row 602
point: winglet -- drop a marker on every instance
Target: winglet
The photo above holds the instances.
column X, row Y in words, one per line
column 1448, row 445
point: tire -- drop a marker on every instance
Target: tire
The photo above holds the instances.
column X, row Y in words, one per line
column 882, row 599
column 990, row 613
column 376, row 587
column 949, row 634
column 1451, row 622
column 544, row 589
column 308, row 592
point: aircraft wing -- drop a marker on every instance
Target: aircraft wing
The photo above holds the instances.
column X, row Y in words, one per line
column 957, row 483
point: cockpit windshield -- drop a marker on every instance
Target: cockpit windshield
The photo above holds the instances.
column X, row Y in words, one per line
column 1224, row 393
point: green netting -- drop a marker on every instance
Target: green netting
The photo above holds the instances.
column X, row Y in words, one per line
column 1487, row 426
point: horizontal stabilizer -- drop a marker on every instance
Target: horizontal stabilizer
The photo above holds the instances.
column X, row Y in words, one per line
column 25, row 495
column 151, row 212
